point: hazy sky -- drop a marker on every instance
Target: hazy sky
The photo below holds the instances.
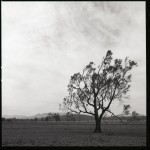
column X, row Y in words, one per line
column 45, row 43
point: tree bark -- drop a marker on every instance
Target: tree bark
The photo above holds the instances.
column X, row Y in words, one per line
column 97, row 125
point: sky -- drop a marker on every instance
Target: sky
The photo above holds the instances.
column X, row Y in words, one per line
column 45, row 43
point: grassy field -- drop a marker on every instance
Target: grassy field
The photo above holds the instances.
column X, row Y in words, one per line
column 72, row 134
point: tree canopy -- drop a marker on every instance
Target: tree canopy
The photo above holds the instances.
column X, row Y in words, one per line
column 93, row 91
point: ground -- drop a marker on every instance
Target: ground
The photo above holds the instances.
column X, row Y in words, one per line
column 72, row 134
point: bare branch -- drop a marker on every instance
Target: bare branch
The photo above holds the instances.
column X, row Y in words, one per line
column 88, row 101
column 74, row 111
column 115, row 115
column 86, row 112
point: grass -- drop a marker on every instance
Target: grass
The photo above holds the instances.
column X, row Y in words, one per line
column 71, row 134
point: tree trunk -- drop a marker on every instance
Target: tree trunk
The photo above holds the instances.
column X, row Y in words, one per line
column 98, row 126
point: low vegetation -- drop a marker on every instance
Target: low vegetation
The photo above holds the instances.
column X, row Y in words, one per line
column 72, row 133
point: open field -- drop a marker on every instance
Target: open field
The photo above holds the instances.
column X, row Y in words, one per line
column 72, row 134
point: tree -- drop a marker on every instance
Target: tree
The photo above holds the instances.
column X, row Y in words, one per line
column 129, row 116
column 46, row 118
column 56, row 116
column 93, row 91
column 9, row 119
column 35, row 119
column 134, row 115
column 70, row 117
column 125, row 113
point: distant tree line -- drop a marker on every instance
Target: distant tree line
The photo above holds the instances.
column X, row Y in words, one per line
column 133, row 116
column 49, row 117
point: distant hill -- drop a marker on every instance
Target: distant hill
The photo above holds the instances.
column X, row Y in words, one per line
column 15, row 116
column 43, row 115
column 63, row 117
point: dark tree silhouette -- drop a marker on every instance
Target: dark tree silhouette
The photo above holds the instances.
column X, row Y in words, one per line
column 126, row 115
column 9, row 119
column 46, row 118
column 56, row 116
column 97, row 87
column 70, row 117
column 134, row 116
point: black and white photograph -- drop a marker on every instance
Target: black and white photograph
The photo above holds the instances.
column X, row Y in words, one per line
column 73, row 73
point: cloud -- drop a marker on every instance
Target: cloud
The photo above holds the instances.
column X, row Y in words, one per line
column 45, row 43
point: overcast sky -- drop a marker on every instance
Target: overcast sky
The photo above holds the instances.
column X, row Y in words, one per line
column 45, row 43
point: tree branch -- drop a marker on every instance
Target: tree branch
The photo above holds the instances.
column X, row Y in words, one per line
column 81, row 110
column 111, row 99
column 114, row 115
column 74, row 111
column 88, row 101
column 86, row 112
column 85, row 95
